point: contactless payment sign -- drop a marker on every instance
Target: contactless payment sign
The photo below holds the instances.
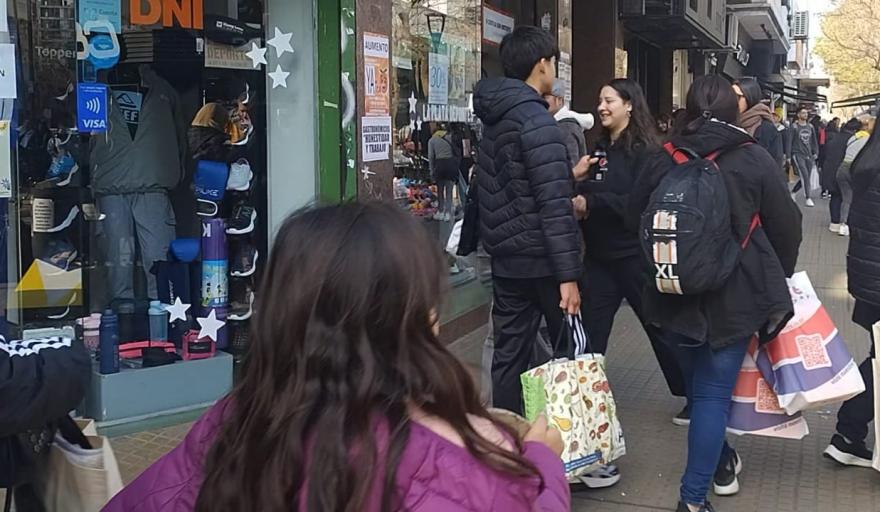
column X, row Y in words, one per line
column 91, row 108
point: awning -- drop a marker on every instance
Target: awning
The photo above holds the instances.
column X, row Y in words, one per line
column 868, row 100
column 789, row 92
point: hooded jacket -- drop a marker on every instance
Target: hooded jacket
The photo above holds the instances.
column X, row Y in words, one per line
column 755, row 299
column 433, row 475
column 835, row 150
column 525, row 185
column 573, row 125
column 863, row 257
column 758, row 121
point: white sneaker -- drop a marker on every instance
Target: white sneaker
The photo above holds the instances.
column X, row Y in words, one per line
column 600, row 478
column 844, row 230
column 834, row 228
column 810, row 203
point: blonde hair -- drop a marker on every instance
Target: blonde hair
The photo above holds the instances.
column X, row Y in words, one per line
column 212, row 115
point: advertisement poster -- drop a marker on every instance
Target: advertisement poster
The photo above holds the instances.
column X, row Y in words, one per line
column 91, row 108
column 129, row 104
column 226, row 56
column 5, row 161
column 94, row 10
column 376, row 135
column 496, row 24
column 7, row 71
column 438, row 79
column 565, row 75
column 376, row 75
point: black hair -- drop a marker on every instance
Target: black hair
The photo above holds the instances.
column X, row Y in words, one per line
column 866, row 166
column 834, row 125
column 751, row 90
column 853, row 125
column 711, row 97
column 523, row 48
column 641, row 132
column 803, row 108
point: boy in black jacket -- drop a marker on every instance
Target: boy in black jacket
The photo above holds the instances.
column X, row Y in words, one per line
column 527, row 222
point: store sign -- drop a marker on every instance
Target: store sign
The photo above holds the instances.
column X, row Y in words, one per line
column 447, row 114
column 496, row 24
column 129, row 105
column 376, row 138
column 376, row 75
column 218, row 55
column 109, row 10
column 7, row 71
column 187, row 13
column 91, row 108
column 438, row 79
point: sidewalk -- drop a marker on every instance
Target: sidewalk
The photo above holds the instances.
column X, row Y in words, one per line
column 778, row 476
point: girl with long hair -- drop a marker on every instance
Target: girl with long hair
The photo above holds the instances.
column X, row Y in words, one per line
column 349, row 401
column 613, row 263
column 711, row 332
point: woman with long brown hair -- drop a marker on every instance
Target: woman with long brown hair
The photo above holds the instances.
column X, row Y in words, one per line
column 349, row 401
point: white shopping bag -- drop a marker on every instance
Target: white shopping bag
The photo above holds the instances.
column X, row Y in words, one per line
column 454, row 238
column 815, row 180
column 876, row 397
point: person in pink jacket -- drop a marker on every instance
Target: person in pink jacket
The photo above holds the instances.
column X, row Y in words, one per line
column 349, row 401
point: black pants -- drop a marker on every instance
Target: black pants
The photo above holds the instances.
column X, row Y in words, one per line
column 856, row 413
column 607, row 283
column 516, row 316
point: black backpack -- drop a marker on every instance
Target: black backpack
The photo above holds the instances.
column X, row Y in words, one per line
column 685, row 231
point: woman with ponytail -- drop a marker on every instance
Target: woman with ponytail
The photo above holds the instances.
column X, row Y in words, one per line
column 711, row 332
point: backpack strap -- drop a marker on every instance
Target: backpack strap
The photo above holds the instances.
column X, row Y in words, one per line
column 682, row 155
column 756, row 223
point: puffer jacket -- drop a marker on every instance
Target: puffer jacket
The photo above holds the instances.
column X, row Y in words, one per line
column 835, row 150
column 527, row 222
column 433, row 475
column 863, row 257
column 755, row 299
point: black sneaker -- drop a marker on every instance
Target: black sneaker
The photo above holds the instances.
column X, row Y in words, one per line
column 706, row 507
column 243, row 220
column 244, row 263
column 243, row 308
column 849, row 453
column 726, row 482
column 683, row 418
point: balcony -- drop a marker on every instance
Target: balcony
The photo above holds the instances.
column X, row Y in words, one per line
column 677, row 24
column 763, row 20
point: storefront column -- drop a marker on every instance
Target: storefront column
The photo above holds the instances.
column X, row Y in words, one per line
column 594, row 35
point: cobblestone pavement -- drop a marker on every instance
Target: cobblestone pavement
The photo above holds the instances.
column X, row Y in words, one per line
column 779, row 475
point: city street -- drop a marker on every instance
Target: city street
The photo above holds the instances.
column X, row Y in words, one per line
column 778, row 476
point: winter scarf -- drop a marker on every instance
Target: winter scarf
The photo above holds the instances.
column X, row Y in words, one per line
column 751, row 118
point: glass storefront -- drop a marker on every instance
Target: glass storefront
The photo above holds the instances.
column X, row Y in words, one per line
column 136, row 168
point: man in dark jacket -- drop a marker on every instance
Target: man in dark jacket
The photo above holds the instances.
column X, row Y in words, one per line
column 835, row 150
column 527, row 222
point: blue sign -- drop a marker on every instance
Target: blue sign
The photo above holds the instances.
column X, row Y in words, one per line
column 94, row 10
column 91, row 108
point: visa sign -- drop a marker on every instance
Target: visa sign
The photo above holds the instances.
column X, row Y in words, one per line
column 188, row 13
column 91, row 108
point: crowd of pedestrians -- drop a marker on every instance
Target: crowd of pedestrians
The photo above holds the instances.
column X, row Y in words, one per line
column 349, row 400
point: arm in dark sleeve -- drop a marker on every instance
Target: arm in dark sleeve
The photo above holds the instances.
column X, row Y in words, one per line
column 655, row 168
column 40, row 381
column 550, row 180
column 814, row 142
column 781, row 218
column 572, row 147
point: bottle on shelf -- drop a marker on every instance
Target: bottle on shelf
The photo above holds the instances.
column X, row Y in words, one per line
column 158, row 321
column 109, row 343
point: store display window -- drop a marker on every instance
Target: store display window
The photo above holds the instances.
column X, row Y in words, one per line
column 435, row 65
column 135, row 173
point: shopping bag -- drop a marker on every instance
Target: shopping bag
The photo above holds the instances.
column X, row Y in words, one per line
column 454, row 237
column 815, row 180
column 755, row 408
column 75, row 479
column 808, row 364
column 575, row 396
column 876, row 364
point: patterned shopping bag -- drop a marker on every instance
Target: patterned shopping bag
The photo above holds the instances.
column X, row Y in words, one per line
column 808, row 364
column 576, row 397
column 755, row 407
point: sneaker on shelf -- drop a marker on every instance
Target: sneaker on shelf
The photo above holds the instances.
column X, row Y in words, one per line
column 243, row 220
column 705, row 507
column 63, row 167
column 683, row 418
column 605, row 476
column 844, row 230
column 810, row 203
column 849, row 453
column 244, row 263
column 834, row 228
column 60, row 253
column 243, row 309
column 240, row 175
column 726, row 482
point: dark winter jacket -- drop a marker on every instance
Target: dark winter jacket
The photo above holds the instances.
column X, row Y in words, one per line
column 835, row 150
column 40, row 381
column 573, row 125
column 863, row 258
column 770, row 139
column 755, row 299
column 606, row 235
column 527, row 222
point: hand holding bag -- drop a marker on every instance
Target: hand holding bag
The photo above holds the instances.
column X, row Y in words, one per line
column 575, row 396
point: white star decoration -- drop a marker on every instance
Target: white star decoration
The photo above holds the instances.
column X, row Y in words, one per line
column 279, row 77
column 281, row 42
column 419, row 125
column 177, row 311
column 210, row 326
column 412, row 102
column 412, row 125
column 257, row 55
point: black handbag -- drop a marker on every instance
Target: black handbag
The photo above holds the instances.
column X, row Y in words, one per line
column 470, row 227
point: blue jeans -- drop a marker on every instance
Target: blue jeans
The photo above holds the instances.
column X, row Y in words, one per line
column 710, row 376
